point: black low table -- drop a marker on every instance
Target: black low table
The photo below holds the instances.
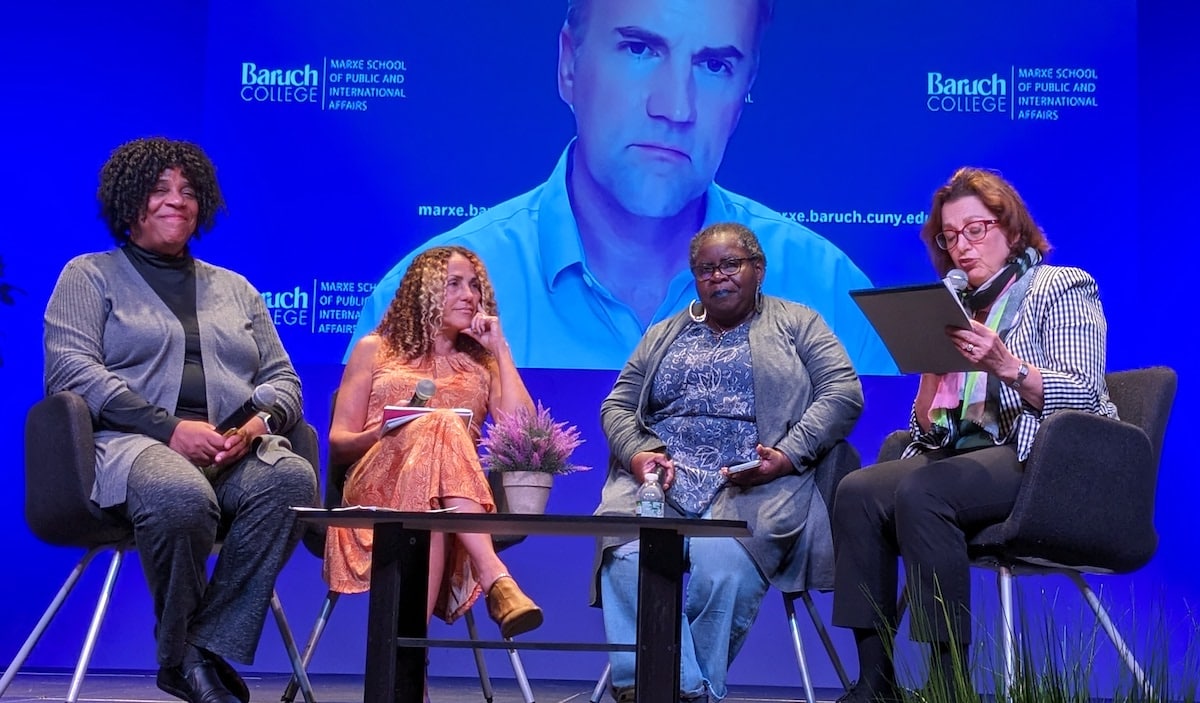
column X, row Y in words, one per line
column 397, row 632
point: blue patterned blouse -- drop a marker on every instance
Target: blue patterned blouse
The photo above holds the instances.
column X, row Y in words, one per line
column 702, row 407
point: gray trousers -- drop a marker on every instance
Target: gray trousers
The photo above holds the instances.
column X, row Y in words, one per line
column 177, row 516
column 923, row 509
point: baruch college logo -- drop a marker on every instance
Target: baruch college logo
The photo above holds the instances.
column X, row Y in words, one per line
column 323, row 307
column 288, row 308
column 340, row 84
column 988, row 94
column 1045, row 93
column 264, row 84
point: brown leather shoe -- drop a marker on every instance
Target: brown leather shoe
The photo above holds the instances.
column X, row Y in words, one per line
column 512, row 610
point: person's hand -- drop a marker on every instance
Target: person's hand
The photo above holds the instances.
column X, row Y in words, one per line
column 238, row 442
column 485, row 329
column 774, row 464
column 645, row 462
column 384, row 430
column 981, row 346
column 199, row 442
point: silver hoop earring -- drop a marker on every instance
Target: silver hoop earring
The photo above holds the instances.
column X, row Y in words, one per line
column 692, row 312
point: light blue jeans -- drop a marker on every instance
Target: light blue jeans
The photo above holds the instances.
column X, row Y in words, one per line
column 721, row 601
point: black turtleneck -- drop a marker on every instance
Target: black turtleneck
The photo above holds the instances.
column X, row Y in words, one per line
column 174, row 280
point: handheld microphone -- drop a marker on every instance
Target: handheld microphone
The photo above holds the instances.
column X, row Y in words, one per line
column 956, row 279
column 422, row 394
column 262, row 399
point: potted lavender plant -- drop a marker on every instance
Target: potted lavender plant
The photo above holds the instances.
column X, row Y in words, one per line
column 529, row 449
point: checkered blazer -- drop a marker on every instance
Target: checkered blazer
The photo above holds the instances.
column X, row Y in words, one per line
column 1060, row 329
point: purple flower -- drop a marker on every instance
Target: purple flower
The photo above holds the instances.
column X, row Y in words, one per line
column 530, row 440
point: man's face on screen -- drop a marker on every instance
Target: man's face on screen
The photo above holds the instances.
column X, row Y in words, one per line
column 657, row 87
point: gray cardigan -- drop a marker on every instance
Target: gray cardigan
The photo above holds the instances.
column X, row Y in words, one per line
column 107, row 331
column 806, row 396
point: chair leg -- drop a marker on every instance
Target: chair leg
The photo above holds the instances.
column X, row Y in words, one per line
column 30, row 642
column 310, row 648
column 519, row 671
column 1122, row 649
column 798, row 647
column 89, row 642
column 485, row 682
column 825, row 640
column 1008, row 638
column 601, row 684
column 299, row 672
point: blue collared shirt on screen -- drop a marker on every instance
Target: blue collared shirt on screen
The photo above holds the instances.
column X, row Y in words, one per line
column 556, row 315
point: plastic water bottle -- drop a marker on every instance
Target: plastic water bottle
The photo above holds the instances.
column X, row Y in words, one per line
column 650, row 497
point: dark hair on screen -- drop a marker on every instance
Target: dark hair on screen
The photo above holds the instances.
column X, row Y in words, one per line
column 577, row 14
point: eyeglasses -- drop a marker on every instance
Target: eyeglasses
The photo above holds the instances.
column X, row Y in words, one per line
column 972, row 232
column 728, row 267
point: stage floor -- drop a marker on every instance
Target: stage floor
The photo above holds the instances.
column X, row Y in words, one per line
column 138, row 687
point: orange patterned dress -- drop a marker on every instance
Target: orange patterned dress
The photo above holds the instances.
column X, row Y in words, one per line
column 414, row 467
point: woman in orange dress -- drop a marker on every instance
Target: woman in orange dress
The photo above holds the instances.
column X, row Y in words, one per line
column 441, row 326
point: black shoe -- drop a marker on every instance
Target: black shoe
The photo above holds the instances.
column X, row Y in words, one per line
column 229, row 676
column 196, row 682
column 863, row 694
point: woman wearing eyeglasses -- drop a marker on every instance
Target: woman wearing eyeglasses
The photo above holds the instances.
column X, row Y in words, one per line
column 1036, row 346
column 737, row 376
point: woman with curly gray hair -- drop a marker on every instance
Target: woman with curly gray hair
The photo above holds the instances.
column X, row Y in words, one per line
column 162, row 346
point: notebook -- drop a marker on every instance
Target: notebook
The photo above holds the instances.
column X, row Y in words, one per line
column 912, row 321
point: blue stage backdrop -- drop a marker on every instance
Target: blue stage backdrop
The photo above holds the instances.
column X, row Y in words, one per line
column 349, row 134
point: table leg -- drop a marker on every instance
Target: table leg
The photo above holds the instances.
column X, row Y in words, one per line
column 660, row 612
column 399, row 582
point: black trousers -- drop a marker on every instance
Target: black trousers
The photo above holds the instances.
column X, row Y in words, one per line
column 923, row 509
column 176, row 515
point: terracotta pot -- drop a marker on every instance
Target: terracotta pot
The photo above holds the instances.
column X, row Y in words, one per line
column 527, row 491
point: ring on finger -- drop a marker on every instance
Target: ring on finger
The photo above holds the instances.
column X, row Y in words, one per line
column 970, row 348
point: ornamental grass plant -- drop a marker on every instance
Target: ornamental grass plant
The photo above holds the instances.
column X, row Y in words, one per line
column 1062, row 662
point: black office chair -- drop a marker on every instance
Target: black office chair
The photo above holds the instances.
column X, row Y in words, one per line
column 1086, row 504
column 841, row 459
column 59, row 472
column 314, row 540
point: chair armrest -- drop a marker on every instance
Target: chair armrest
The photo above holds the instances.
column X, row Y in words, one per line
column 303, row 438
column 894, row 445
column 832, row 467
column 1087, row 498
